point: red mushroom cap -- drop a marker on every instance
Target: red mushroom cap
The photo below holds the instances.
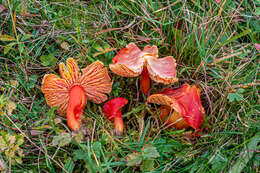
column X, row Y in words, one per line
column 185, row 101
column 113, row 112
column 130, row 62
column 112, row 107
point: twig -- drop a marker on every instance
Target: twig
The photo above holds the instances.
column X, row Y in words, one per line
column 93, row 131
column 215, row 61
column 167, row 6
column 246, row 85
column 115, row 29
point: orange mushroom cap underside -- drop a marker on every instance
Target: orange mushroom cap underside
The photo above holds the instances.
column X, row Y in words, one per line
column 185, row 100
column 130, row 61
column 94, row 79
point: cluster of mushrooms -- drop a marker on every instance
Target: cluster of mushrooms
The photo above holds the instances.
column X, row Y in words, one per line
column 180, row 108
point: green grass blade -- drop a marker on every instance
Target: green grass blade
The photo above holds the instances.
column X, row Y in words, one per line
column 246, row 154
column 234, row 38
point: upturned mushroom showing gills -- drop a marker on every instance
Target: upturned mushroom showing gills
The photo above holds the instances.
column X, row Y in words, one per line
column 132, row 62
column 183, row 103
column 71, row 91
column 113, row 113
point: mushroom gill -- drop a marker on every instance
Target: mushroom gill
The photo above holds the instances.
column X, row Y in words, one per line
column 132, row 62
column 71, row 91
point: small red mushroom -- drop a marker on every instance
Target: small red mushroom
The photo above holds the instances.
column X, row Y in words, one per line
column 132, row 62
column 184, row 103
column 113, row 113
column 70, row 91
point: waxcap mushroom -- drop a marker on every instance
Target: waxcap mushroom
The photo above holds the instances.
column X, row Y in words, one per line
column 113, row 113
column 93, row 82
column 184, row 101
column 132, row 62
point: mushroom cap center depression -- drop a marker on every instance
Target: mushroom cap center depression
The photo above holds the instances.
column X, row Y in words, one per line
column 146, row 56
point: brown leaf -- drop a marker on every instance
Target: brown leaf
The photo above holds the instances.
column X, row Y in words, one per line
column 2, row 8
column 11, row 106
column 57, row 120
column 64, row 45
column 6, row 38
column 2, row 163
column 35, row 133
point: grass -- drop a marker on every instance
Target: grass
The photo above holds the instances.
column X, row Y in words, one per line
column 212, row 43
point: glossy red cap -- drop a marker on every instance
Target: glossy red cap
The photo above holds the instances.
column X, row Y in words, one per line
column 185, row 101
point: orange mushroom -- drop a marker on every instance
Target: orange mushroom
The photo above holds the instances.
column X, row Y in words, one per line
column 184, row 103
column 113, row 113
column 132, row 62
column 70, row 91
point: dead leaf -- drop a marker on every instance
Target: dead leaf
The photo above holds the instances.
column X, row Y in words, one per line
column 6, row 38
column 2, row 165
column 2, row 8
column 23, row 9
column 35, row 133
column 133, row 159
column 14, row 83
column 11, row 106
column 62, row 139
column 57, row 120
column 11, row 140
column 64, row 45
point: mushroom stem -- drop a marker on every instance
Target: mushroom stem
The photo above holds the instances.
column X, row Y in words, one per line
column 76, row 104
column 145, row 81
column 119, row 125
